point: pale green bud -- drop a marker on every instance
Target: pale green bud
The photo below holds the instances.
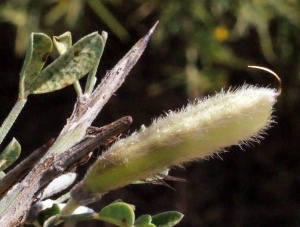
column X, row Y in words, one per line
column 201, row 129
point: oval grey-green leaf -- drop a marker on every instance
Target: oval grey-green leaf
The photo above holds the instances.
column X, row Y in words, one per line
column 39, row 48
column 10, row 154
column 71, row 66
column 167, row 219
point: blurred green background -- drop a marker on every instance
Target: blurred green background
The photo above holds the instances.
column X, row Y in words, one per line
column 198, row 48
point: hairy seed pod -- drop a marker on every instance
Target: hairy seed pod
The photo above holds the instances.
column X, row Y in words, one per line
column 199, row 130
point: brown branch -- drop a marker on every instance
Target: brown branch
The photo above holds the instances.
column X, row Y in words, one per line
column 13, row 207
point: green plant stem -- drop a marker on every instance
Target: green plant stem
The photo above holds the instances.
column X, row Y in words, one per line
column 11, row 118
column 70, row 207
column 78, row 88
column 91, row 80
column 80, row 217
column 63, row 198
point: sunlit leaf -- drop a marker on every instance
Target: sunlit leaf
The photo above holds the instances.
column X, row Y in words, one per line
column 71, row 66
column 63, row 42
column 39, row 48
column 10, row 154
column 119, row 213
column 167, row 219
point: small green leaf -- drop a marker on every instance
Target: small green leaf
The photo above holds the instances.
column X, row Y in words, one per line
column 63, row 42
column 39, row 48
column 44, row 215
column 167, row 219
column 71, row 66
column 119, row 213
column 10, row 154
column 144, row 221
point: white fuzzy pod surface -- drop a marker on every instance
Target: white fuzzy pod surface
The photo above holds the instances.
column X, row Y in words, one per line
column 200, row 129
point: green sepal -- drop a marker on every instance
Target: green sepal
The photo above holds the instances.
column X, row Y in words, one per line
column 167, row 219
column 154, row 178
column 63, row 42
column 119, row 213
column 144, row 221
column 44, row 215
column 10, row 154
column 40, row 45
column 71, row 66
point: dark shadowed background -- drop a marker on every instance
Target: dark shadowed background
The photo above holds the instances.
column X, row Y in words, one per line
column 198, row 48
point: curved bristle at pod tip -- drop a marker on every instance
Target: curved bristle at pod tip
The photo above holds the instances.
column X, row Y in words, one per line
column 279, row 89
